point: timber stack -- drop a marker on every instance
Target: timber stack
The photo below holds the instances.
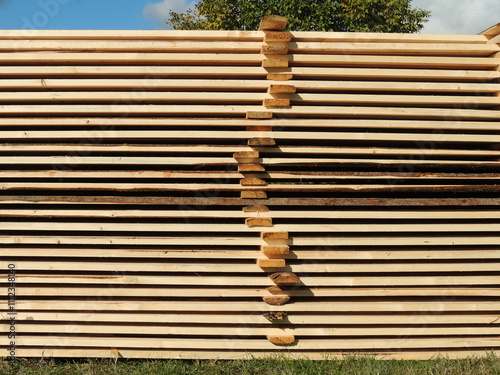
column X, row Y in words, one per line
column 220, row 194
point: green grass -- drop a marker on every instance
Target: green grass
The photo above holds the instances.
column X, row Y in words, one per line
column 351, row 365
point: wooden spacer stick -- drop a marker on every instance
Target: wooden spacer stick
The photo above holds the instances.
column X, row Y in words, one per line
column 276, row 103
column 275, row 236
column 282, row 340
column 271, row 263
column 276, row 301
column 259, row 222
column 251, row 168
column 256, row 208
column 273, row 23
column 246, row 155
column 281, row 89
column 280, row 278
column 253, row 195
column 275, row 63
column 274, row 49
column 259, row 115
column 264, row 141
column 276, row 316
column 275, row 251
column 253, row 182
column 279, row 77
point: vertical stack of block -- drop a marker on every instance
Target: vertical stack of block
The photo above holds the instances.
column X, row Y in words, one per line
column 275, row 247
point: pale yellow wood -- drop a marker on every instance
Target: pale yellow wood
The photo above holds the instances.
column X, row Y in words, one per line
column 436, row 306
column 250, row 226
column 428, row 320
column 324, row 36
column 310, row 60
column 331, row 333
column 316, row 36
column 220, row 110
column 395, row 254
column 242, row 84
column 364, row 48
column 117, row 291
column 228, row 241
column 106, row 123
column 106, row 35
column 385, row 177
column 492, row 31
column 213, row 266
column 368, row 61
column 243, row 344
column 205, row 97
column 190, row 46
column 238, row 72
column 440, row 283
column 148, row 135
column 183, row 213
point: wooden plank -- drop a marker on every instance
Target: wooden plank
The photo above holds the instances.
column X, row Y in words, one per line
column 277, row 36
column 439, row 306
column 252, row 222
column 271, row 263
column 258, row 72
column 104, row 35
column 210, row 35
column 492, row 31
column 289, row 175
column 326, row 36
column 243, row 267
column 117, row 291
column 181, row 213
column 234, row 110
column 243, row 344
column 143, row 161
column 105, row 123
column 327, row 332
column 403, row 240
column 438, row 283
column 242, row 84
column 189, row 46
column 296, row 99
column 374, row 61
column 244, row 355
column 310, row 60
column 280, row 251
column 147, row 135
column 415, row 320
column 364, row 48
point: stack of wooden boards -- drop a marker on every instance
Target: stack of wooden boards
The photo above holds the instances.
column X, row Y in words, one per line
column 220, row 194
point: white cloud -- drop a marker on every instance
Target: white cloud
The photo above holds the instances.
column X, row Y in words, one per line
column 459, row 16
column 158, row 13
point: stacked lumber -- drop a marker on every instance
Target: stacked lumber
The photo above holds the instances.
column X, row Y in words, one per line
column 226, row 194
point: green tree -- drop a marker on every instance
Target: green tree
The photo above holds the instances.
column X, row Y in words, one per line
column 304, row 15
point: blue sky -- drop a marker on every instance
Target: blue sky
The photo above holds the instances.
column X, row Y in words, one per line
column 449, row 16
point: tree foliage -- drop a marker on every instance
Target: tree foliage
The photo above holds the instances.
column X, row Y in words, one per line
column 304, row 15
